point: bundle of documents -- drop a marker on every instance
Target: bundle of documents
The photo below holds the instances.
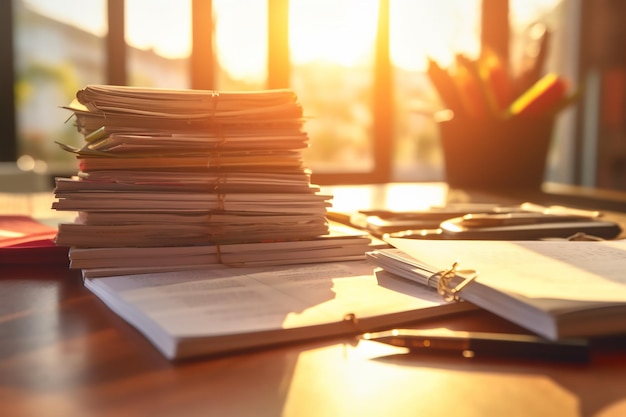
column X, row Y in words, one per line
column 196, row 171
column 554, row 288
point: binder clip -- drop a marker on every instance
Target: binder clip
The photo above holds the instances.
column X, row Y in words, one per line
column 445, row 286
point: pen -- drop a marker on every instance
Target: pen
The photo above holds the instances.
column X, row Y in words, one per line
column 445, row 86
column 526, row 226
column 511, row 219
column 471, row 87
column 544, row 95
column 497, row 83
column 483, row 344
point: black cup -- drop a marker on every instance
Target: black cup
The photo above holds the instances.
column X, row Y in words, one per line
column 496, row 154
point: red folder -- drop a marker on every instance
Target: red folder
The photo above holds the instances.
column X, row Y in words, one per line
column 23, row 240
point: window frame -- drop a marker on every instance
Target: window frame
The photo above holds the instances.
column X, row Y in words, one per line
column 8, row 139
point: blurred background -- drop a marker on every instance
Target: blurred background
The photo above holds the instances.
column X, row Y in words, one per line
column 358, row 67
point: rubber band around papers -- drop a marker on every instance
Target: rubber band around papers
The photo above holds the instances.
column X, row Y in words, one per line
column 218, row 252
column 444, row 281
column 214, row 160
column 221, row 202
column 217, row 186
column 222, row 261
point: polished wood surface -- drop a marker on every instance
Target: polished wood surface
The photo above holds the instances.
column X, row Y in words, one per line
column 62, row 352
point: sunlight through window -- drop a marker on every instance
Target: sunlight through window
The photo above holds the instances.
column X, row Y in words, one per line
column 336, row 32
column 163, row 26
column 332, row 52
column 241, row 43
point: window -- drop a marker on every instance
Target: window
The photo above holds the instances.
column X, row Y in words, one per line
column 55, row 54
column 241, row 44
column 332, row 47
column 418, row 30
column 358, row 67
column 529, row 18
column 158, row 44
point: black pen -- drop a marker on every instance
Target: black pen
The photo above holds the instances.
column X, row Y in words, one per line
column 482, row 344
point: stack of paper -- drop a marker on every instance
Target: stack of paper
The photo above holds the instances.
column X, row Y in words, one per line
column 196, row 171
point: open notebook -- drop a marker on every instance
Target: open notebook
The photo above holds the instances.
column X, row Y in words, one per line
column 210, row 311
column 556, row 288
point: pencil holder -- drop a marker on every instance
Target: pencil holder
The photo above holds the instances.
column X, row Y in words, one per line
column 494, row 153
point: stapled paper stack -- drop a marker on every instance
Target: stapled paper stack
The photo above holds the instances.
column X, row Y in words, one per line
column 193, row 170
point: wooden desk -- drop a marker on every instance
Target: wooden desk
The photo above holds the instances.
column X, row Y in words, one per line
column 62, row 352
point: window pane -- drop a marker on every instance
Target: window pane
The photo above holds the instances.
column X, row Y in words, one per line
column 332, row 56
column 158, row 35
column 59, row 47
column 241, row 44
column 418, row 30
column 529, row 19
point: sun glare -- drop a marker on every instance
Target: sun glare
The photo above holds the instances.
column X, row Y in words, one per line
column 161, row 25
column 341, row 32
column 241, row 38
column 436, row 29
